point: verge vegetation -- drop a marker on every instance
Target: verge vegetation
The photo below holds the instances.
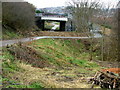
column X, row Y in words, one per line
column 18, row 19
column 65, row 62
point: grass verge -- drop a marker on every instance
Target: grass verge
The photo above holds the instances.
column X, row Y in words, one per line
column 36, row 64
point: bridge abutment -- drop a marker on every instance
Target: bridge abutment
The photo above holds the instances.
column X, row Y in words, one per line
column 62, row 25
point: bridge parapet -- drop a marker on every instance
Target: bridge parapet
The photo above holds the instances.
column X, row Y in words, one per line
column 54, row 18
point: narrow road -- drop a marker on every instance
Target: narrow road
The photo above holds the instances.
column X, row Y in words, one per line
column 10, row 42
column 55, row 26
column 96, row 31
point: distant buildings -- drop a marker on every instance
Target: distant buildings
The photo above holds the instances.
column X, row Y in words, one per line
column 59, row 10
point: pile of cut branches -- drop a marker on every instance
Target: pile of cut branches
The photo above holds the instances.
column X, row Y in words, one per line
column 106, row 79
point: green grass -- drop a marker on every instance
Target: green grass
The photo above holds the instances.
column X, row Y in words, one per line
column 8, row 64
column 14, row 84
column 64, row 51
column 49, row 25
column 82, row 63
column 10, row 35
column 34, row 85
column 58, row 28
column 9, row 67
column 106, row 26
column 58, row 52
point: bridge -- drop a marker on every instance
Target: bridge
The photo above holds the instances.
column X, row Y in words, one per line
column 41, row 19
column 54, row 18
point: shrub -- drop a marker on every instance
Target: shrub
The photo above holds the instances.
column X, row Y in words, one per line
column 18, row 15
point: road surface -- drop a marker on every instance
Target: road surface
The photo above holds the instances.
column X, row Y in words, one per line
column 10, row 42
column 55, row 26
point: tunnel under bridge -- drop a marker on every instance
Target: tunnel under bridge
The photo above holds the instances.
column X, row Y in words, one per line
column 40, row 22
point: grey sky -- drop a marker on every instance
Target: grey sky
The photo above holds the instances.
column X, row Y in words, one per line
column 55, row 3
column 47, row 3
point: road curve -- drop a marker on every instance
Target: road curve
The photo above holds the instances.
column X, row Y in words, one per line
column 10, row 42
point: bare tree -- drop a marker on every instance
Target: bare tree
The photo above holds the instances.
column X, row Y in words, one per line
column 107, row 21
column 83, row 13
column 86, row 12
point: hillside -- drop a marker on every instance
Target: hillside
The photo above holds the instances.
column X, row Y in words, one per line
column 38, row 61
column 53, row 9
column 65, row 62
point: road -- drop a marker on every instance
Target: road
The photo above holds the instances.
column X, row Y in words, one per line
column 10, row 42
column 96, row 31
column 55, row 26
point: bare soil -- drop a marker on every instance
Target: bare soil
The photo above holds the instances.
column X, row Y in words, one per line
column 28, row 55
column 108, row 64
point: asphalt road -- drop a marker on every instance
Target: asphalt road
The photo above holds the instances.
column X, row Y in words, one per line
column 95, row 30
column 9, row 42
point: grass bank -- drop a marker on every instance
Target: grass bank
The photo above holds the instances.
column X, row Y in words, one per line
column 9, row 33
column 56, row 63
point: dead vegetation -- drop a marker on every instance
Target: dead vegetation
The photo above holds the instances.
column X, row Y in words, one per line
column 65, row 34
column 107, row 78
column 45, row 33
column 51, row 77
column 37, row 68
column 28, row 55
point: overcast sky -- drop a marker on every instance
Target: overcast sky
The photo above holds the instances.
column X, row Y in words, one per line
column 55, row 3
